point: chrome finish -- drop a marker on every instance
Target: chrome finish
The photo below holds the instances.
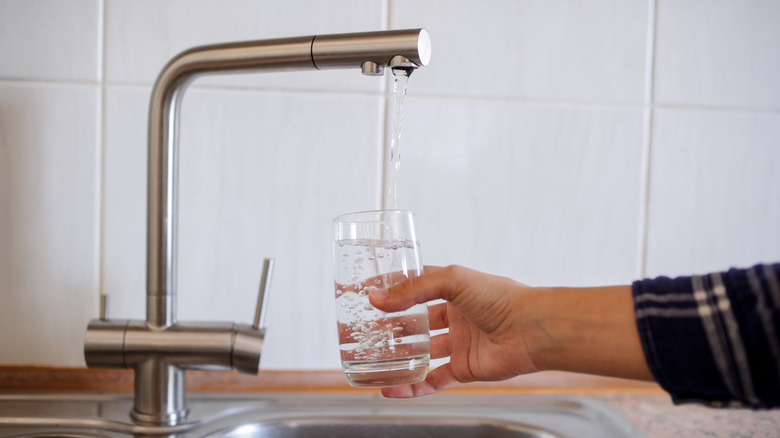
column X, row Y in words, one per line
column 163, row 355
column 369, row 68
column 379, row 425
column 352, row 50
column 247, row 346
column 104, row 343
column 399, row 61
column 313, row 415
column 157, row 404
column 262, row 297
column 160, row 348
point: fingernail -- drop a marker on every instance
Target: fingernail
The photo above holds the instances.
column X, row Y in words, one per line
column 378, row 294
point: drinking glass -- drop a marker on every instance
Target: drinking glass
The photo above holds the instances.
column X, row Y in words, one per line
column 374, row 250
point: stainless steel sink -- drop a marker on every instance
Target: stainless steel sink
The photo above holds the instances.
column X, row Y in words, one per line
column 317, row 415
column 372, row 427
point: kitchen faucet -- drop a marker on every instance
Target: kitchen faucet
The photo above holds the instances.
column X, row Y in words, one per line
column 160, row 348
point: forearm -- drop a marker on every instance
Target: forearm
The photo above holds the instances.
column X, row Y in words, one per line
column 586, row 330
column 714, row 338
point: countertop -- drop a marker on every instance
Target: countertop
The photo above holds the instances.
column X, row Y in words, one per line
column 658, row 417
column 644, row 404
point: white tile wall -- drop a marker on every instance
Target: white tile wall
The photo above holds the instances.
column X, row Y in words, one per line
column 565, row 50
column 48, row 270
column 543, row 194
column 141, row 36
column 262, row 175
column 713, row 198
column 718, row 53
column 714, row 192
column 124, row 200
column 49, row 39
column 525, row 149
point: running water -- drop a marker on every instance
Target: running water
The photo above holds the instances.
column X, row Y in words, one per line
column 393, row 159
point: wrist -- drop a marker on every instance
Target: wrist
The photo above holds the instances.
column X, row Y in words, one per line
column 586, row 330
column 539, row 326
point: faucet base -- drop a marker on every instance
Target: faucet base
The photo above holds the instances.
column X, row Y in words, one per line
column 171, row 419
column 159, row 394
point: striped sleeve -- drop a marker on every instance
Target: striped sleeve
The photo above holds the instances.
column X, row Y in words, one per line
column 714, row 338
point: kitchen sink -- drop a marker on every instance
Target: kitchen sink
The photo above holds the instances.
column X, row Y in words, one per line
column 373, row 427
column 362, row 415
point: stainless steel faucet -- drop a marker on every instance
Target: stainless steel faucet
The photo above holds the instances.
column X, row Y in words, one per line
column 160, row 348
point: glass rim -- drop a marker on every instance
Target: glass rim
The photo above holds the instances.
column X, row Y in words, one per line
column 342, row 217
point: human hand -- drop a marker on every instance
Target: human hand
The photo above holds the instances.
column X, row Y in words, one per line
column 484, row 315
column 499, row 328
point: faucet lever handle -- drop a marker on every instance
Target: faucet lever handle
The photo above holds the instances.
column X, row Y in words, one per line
column 103, row 310
column 262, row 299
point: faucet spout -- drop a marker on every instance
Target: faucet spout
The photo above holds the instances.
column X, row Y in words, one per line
column 369, row 51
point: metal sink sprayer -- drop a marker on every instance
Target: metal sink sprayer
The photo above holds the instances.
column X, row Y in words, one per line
column 160, row 348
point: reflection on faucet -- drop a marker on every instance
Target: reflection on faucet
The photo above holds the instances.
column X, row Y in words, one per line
column 160, row 348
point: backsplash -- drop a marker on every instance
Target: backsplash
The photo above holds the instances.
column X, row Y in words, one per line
column 556, row 142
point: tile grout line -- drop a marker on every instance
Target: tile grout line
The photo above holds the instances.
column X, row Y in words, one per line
column 48, row 81
column 587, row 104
column 101, row 134
column 384, row 119
column 647, row 140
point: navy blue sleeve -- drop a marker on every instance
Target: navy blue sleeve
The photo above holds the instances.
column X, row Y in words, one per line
column 714, row 338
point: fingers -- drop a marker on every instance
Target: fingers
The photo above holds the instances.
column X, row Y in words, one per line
column 440, row 346
column 435, row 283
column 437, row 316
column 387, row 279
column 437, row 380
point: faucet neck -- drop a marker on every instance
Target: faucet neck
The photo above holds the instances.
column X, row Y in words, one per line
column 162, row 213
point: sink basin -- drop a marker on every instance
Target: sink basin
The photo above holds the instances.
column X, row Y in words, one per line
column 319, row 415
column 373, row 427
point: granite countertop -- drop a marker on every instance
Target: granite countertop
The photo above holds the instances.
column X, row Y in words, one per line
column 658, row 417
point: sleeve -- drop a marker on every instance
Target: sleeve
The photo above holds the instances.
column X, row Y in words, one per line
column 713, row 339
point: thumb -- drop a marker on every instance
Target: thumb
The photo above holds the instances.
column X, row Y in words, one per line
column 431, row 285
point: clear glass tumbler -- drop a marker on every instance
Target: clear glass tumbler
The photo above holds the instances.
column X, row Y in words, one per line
column 372, row 250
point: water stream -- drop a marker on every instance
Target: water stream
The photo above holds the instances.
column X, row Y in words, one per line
column 393, row 158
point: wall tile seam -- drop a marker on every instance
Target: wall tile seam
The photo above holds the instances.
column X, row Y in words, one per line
column 413, row 94
column 283, row 91
column 100, row 172
column 250, row 89
column 384, row 119
column 717, row 109
column 382, row 93
column 102, row 87
column 569, row 104
column 111, row 84
column 48, row 82
column 647, row 140
column 385, row 129
column 527, row 101
column 598, row 104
